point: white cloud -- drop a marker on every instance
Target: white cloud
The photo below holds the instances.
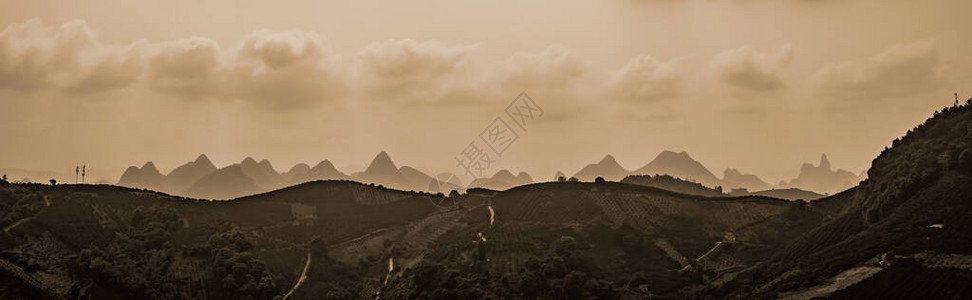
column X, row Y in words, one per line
column 186, row 68
column 35, row 56
column 644, row 78
column 117, row 69
column 286, row 70
column 407, row 70
column 900, row 70
column 553, row 68
column 747, row 69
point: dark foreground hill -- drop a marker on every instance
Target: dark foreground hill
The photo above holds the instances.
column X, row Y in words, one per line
column 903, row 232
column 109, row 242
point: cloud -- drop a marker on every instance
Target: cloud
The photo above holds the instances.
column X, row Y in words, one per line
column 644, row 78
column 408, row 70
column 35, row 56
column 188, row 68
column 553, row 68
column 286, row 70
column 69, row 57
column 275, row 70
column 899, row 71
column 278, row 50
column 117, row 69
column 747, row 69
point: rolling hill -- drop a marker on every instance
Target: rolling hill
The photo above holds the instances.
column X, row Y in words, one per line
column 81, row 243
column 343, row 231
column 667, row 182
column 788, row 194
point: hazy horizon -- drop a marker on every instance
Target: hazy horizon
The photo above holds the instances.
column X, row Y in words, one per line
column 759, row 86
column 112, row 175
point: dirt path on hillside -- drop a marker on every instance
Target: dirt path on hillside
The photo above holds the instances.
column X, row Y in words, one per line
column 47, row 203
column 303, row 275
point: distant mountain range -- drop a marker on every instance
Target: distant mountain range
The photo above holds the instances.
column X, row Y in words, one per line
column 679, row 165
column 608, row 168
column 201, row 179
column 502, row 180
column 147, row 177
column 732, row 178
column 225, row 183
column 188, row 174
column 823, row 179
column 812, row 181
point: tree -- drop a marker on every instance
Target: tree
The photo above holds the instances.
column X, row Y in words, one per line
column 453, row 193
column 599, row 180
column 561, row 179
column 573, row 179
column 53, row 182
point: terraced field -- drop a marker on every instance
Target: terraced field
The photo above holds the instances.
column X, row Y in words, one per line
column 372, row 196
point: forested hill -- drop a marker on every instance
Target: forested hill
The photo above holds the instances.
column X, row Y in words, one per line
column 112, row 242
column 109, row 242
column 905, row 232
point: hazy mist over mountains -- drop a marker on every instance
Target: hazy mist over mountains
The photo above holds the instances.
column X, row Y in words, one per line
column 201, row 179
column 280, row 83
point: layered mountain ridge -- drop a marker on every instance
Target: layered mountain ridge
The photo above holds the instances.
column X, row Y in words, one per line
column 384, row 171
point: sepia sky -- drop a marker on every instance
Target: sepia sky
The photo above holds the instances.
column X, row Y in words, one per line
column 758, row 85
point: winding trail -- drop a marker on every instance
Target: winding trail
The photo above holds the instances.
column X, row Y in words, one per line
column 303, row 276
column 47, row 203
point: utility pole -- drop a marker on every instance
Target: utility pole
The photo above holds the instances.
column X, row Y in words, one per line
column 75, row 174
column 956, row 100
column 82, row 173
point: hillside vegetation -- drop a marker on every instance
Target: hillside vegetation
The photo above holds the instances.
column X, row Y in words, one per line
column 915, row 202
